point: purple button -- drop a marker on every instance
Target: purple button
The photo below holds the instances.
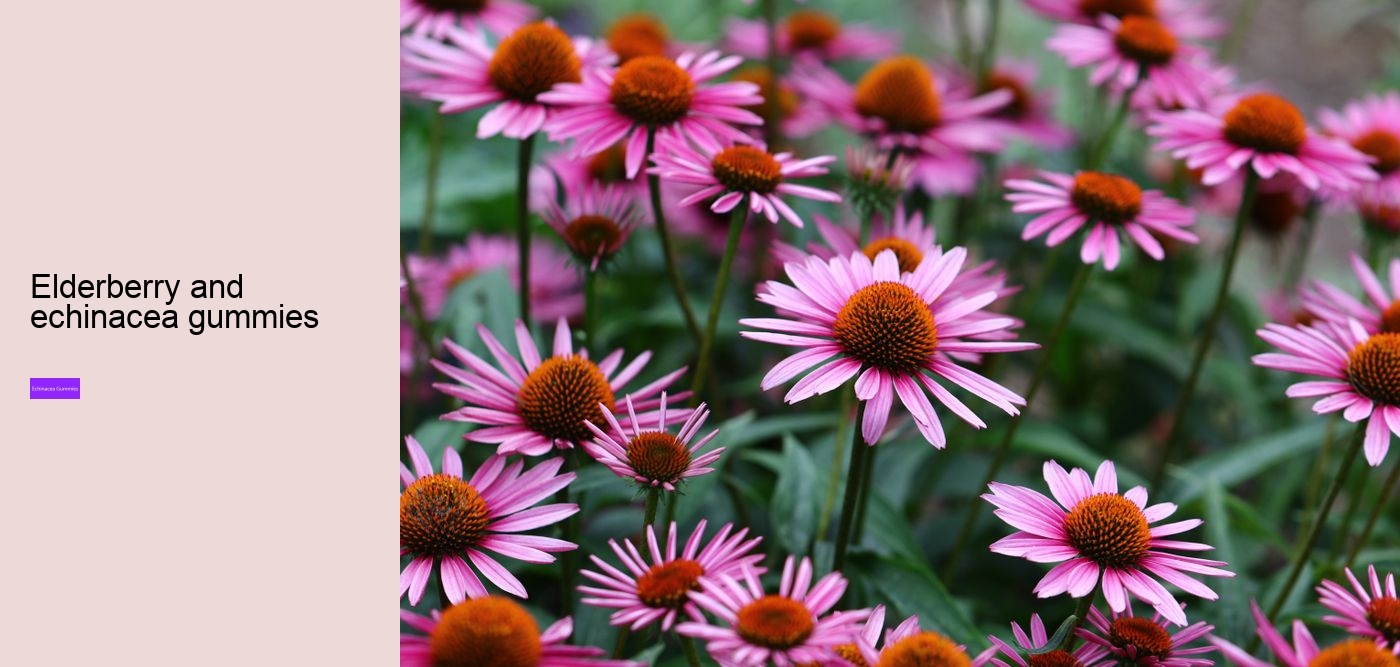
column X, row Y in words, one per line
column 54, row 388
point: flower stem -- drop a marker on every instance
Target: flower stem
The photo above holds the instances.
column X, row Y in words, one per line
column 653, row 499
column 707, row 343
column 1105, row 145
column 1319, row 467
column 771, row 110
column 1315, row 529
column 867, row 470
column 620, row 646
column 962, row 31
column 848, row 506
column 1381, row 504
column 667, row 251
column 989, row 41
column 590, row 312
column 839, row 451
column 1344, row 529
column 436, row 128
column 1300, row 254
column 1243, row 19
column 1076, row 288
column 692, row 655
column 1222, row 293
column 522, row 222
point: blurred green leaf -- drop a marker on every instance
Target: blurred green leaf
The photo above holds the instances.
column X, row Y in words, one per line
column 794, row 506
column 1242, row 462
column 912, row 588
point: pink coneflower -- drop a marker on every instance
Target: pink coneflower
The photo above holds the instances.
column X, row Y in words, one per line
column 812, row 34
column 1096, row 531
column 445, row 520
column 1145, row 642
column 798, row 115
column 1188, row 18
column 1033, row 645
column 594, row 224
column 907, row 644
column 654, row 458
column 1279, row 203
column 1379, row 208
column 895, row 330
column 493, row 631
column 664, row 588
column 466, row 73
column 555, row 289
column 734, row 174
column 1363, row 379
column 876, row 180
column 906, row 234
column 1136, row 51
column 1305, row 652
column 1373, row 612
column 787, row 628
column 637, row 35
column 1381, row 315
column 546, row 403
column 434, row 18
column 1108, row 204
column 1372, row 126
column 1264, row 132
column 562, row 176
column 673, row 96
column 1030, row 113
column 900, row 105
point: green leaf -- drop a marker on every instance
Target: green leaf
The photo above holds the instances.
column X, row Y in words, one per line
column 794, row 506
column 487, row 299
column 914, row 589
column 1238, row 463
column 1233, row 617
column 1053, row 442
column 890, row 529
column 1058, row 639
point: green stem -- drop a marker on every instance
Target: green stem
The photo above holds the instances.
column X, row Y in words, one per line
column 1081, row 611
column 1242, row 21
column 989, row 41
column 522, row 222
column 667, row 251
column 692, row 655
column 1314, row 530
column 1319, row 467
column 1105, row 144
column 653, row 498
column 436, row 129
column 962, row 31
column 833, row 481
column 1358, row 496
column 1381, row 504
column 1076, row 288
column 848, row 506
column 1222, row 293
column 707, row 343
column 771, row 109
column 867, row 470
column 590, row 312
column 620, row 646
column 1300, row 254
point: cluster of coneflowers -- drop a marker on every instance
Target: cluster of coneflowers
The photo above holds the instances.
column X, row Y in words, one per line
column 646, row 131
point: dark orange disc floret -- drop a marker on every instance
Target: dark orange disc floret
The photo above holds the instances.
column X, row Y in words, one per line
column 637, row 35
column 1383, row 146
column 1109, row 530
column 531, row 60
column 1390, row 318
column 1266, row 123
column 665, row 586
column 908, row 254
column 887, row 325
column 592, row 235
column 900, row 91
column 1022, row 102
column 747, row 169
column 759, row 76
column 775, row 622
column 1143, row 634
column 851, row 653
column 461, row 6
column 1354, row 653
column 1106, row 197
column 1373, row 368
column 439, row 515
column 609, row 165
column 560, row 394
column 1056, row 658
column 658, row 455
column 1145, row 40
column 1119, row 8
column 1274, row 212
column 925, row 649
column 1384, row 615
column 808, row 29
column 486, row 632
column 652, row 90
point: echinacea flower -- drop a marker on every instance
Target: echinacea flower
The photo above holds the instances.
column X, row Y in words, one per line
column 466, row 73
column 1365, row 612
column 1136, row 52
column 1188, row 18
column 1372, row 126
column 798, row 116
column 493, row 631
column 434, row 18
column 811, row 34
column 1363, row 380
column 1145, row 642
column 594, row 224
column 893, row 330
column 653, row 458
column 876, row 180
column 555, row 290
column 1038, row 653
column 445, row 521
column 675, row 98
column 1305, row 652
column 563, row 176
column 1108, row 204
column 1379, row 209
column 742, row 174
column 908, row 644
column 1380, row 315
column 1030, row 113
column 906, row 234
column 546, row 403
column 785, row 629
column 900, row 105
column 664, row 588
column 637, row 35
column 1261, row 132
column 1097, row 534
